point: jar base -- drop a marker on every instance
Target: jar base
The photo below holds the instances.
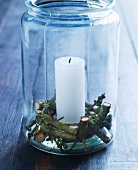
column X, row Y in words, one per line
column 93, row 144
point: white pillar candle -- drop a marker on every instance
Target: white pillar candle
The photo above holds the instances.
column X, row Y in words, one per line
column 70, row 88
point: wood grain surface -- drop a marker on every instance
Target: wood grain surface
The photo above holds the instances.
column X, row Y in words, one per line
column 15, row 152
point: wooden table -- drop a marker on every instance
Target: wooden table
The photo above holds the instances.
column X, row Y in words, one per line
column 15, row 152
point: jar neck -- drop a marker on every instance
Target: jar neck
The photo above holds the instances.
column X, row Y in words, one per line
column 70, row 8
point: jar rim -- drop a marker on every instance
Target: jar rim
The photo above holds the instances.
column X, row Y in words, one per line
column 52, row 6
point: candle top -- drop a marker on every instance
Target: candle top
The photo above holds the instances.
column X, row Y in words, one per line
column 69, row 61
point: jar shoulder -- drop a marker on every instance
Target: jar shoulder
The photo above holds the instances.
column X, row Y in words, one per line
column 88, row 19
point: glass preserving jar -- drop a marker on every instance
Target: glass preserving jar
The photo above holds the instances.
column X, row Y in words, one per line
column 69, row 29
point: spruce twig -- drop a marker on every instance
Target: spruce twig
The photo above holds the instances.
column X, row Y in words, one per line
column 58, row 134
column 97, row 117
column 28, row 127
column 31, row 134
column 58, row 125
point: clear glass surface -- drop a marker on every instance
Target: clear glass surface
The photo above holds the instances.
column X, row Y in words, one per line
column 85, row 29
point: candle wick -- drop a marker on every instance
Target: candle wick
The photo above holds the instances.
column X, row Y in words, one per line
column 69, row 60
